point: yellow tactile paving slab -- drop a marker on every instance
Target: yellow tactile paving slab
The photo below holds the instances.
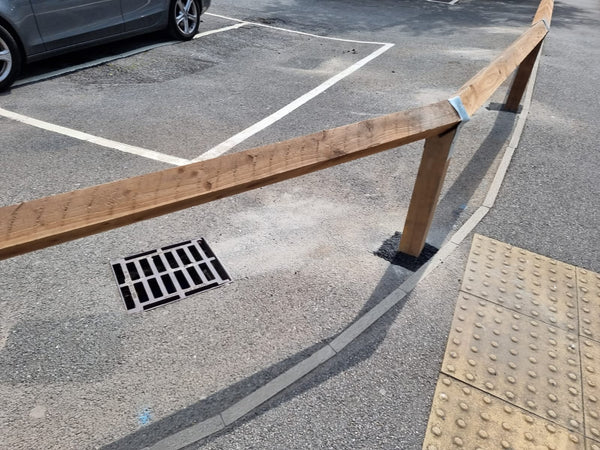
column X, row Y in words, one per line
column 531, row 284
column 523, row 350
column 590, row 369
column 588, row 284
column 465, row 417
column 526, row 362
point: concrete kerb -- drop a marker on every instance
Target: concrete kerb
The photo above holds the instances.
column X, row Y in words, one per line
column 368, row 319
column 470, row 224
column 261, row 395
column 191, row 434
column 514, row 140
column 247, row 404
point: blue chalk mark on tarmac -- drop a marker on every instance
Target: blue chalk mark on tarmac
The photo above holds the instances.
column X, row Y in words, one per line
column 144, row 417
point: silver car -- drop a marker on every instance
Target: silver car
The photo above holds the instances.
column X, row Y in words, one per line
column 35, row 29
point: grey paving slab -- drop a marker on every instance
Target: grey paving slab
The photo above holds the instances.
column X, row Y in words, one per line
column 264, row 393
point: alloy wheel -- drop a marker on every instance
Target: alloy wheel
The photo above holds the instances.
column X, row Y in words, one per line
column 6, row 60
column 186, row 16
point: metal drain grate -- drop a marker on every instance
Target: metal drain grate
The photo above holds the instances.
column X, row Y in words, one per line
column 157, row 277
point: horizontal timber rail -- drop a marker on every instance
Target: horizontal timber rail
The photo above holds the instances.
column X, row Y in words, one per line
column 48, row 221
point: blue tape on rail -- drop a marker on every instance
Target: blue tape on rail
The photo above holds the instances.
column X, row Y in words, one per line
column 546, row 24
column 458, row 106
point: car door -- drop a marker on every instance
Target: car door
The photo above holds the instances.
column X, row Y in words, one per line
column 142, row 14
column 63, row 23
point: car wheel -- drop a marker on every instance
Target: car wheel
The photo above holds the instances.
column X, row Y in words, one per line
column 184, row 18
column 10, row 59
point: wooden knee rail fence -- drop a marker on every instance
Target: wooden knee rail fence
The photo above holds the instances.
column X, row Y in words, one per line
column 48, row 221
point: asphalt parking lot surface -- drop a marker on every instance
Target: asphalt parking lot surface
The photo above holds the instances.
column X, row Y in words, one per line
column 77, row 371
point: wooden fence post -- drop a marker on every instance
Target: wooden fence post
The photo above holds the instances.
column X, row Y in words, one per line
column 430, row 178
column 521, row 79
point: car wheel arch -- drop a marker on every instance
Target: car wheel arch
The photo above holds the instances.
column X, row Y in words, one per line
column 13, row 32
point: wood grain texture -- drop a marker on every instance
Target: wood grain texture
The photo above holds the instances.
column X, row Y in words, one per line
column 544, row 12
column 428, row 185
column 475, row 92
column 51, row 220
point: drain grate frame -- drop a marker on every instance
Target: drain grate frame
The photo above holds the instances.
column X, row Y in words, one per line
column 156, row 277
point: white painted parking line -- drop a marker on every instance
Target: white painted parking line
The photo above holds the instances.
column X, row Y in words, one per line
column 271, row 119
column 219, row 30
column 224, row 146
column 99, row 61
column 289, row 30
column 151, row 154
column 453, row 2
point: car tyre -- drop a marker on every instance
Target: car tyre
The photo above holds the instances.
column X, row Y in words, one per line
column 184, row 18
column 10, row 59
